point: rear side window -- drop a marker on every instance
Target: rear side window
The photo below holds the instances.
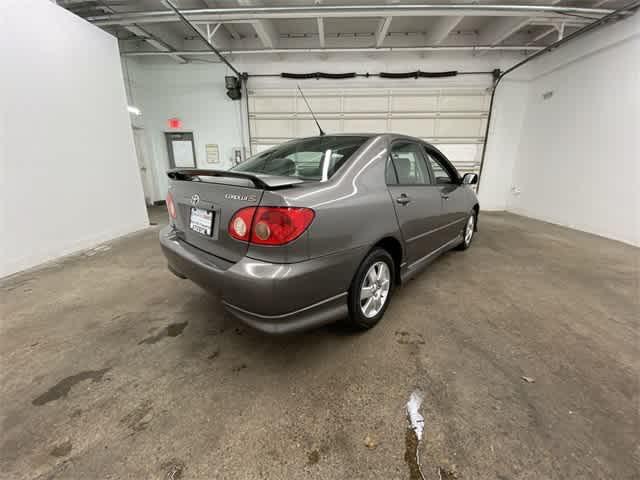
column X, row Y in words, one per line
column 409, row 167
column 314, row 158
column 390, row 173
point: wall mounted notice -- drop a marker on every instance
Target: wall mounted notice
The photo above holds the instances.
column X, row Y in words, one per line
column 213, row 155
column 183, row 153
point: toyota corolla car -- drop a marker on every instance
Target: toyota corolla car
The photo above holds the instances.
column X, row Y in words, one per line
column 317, row 229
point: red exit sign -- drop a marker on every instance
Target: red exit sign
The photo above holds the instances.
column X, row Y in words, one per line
column 174, row 123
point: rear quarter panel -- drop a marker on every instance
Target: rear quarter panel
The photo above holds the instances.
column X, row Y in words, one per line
column 354, row 208
column 353, row 211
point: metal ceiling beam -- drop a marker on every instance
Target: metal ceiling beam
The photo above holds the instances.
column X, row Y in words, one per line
column 233, row 33
column 199, row 34
column 347, row 50
column 155, row 42
column 266, row 32
column 265, row 29
column 383, row 28
column 442, row 29
column 575, row 22
column 544, row 34
column 211, row 32
column 343, row 11
column 499, row 29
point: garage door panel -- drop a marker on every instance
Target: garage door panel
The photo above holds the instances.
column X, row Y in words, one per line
column 273, row 104
column 273, row 128
column 319, row 104
column 308, row 128
column 260, row 147
column 454, row 116
column 458, row 127
column 417, row 127
column 366, row 104
column 465, row 157
column 365, row 125
column 461, row 103
column 414, row 103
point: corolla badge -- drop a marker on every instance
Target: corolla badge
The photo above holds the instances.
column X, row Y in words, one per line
column 244, row 198
column 195, row 198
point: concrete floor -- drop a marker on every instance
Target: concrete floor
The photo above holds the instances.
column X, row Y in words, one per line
column 114, row 368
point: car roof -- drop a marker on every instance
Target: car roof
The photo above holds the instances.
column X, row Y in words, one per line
column 390, row 135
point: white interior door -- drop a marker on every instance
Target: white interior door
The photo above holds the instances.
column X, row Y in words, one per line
column 451, row 118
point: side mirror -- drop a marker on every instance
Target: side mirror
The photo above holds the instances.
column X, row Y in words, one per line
column 470, row 179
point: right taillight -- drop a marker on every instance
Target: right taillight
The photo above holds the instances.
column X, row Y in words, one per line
column 270, row 225
column 171, row 207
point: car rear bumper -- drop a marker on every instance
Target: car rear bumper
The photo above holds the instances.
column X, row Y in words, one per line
column 274, row 298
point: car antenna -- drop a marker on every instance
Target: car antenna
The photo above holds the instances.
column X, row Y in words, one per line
column 312, row 114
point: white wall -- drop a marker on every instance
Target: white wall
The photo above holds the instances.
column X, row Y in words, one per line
column 69, row 176
column 503, row 143
column 195, row 94
column 578, row 160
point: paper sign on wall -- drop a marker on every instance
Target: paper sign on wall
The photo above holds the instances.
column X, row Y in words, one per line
column 212, row 153
column 183, row 153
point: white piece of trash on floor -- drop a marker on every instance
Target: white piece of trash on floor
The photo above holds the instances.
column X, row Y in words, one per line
column 413, row 410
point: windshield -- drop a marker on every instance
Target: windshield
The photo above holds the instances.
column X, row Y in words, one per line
column 316, row 158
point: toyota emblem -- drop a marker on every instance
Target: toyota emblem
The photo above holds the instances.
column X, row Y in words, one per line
column 195, row 198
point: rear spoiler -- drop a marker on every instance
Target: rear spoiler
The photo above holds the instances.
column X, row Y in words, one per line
column 260, row 180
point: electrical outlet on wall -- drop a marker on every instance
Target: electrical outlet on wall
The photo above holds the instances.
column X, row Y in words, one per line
column 515, row 190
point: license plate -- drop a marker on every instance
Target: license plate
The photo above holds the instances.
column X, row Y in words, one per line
column 201, row 221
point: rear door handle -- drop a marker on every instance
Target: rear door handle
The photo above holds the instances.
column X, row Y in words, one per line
column 403, row 199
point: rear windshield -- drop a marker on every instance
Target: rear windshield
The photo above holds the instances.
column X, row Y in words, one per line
column 315, row 158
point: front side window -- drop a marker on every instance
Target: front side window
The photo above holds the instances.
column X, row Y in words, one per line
column 315, row 158
column 440, row 173
column 409, row 165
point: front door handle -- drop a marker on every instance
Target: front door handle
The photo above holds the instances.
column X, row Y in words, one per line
column 403, row 199
column 444, row 196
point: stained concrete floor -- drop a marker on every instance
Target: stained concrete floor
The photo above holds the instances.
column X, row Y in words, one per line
column 114, row 368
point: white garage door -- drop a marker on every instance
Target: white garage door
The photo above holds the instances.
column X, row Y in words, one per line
column 453, row 119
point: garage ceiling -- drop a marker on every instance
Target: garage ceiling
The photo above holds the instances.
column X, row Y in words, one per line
column 149, row 28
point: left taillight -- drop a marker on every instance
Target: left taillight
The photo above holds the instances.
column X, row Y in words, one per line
column 240, row 224
column 171, row 207
column 270, row 225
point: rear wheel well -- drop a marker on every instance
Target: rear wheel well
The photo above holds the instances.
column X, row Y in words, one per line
column 393, row 246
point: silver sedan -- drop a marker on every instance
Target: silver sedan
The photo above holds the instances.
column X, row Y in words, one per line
column 318, row 229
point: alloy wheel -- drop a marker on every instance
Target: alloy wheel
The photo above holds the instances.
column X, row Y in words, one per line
column 375, row 289
column 468, row 231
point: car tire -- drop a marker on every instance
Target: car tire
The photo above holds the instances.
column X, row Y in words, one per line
column 375, row 278
column 469, row 230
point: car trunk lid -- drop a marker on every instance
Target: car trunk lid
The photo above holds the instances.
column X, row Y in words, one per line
column 206, row 200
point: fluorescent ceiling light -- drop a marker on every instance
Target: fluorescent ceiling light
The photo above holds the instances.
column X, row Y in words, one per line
column 134, row 110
